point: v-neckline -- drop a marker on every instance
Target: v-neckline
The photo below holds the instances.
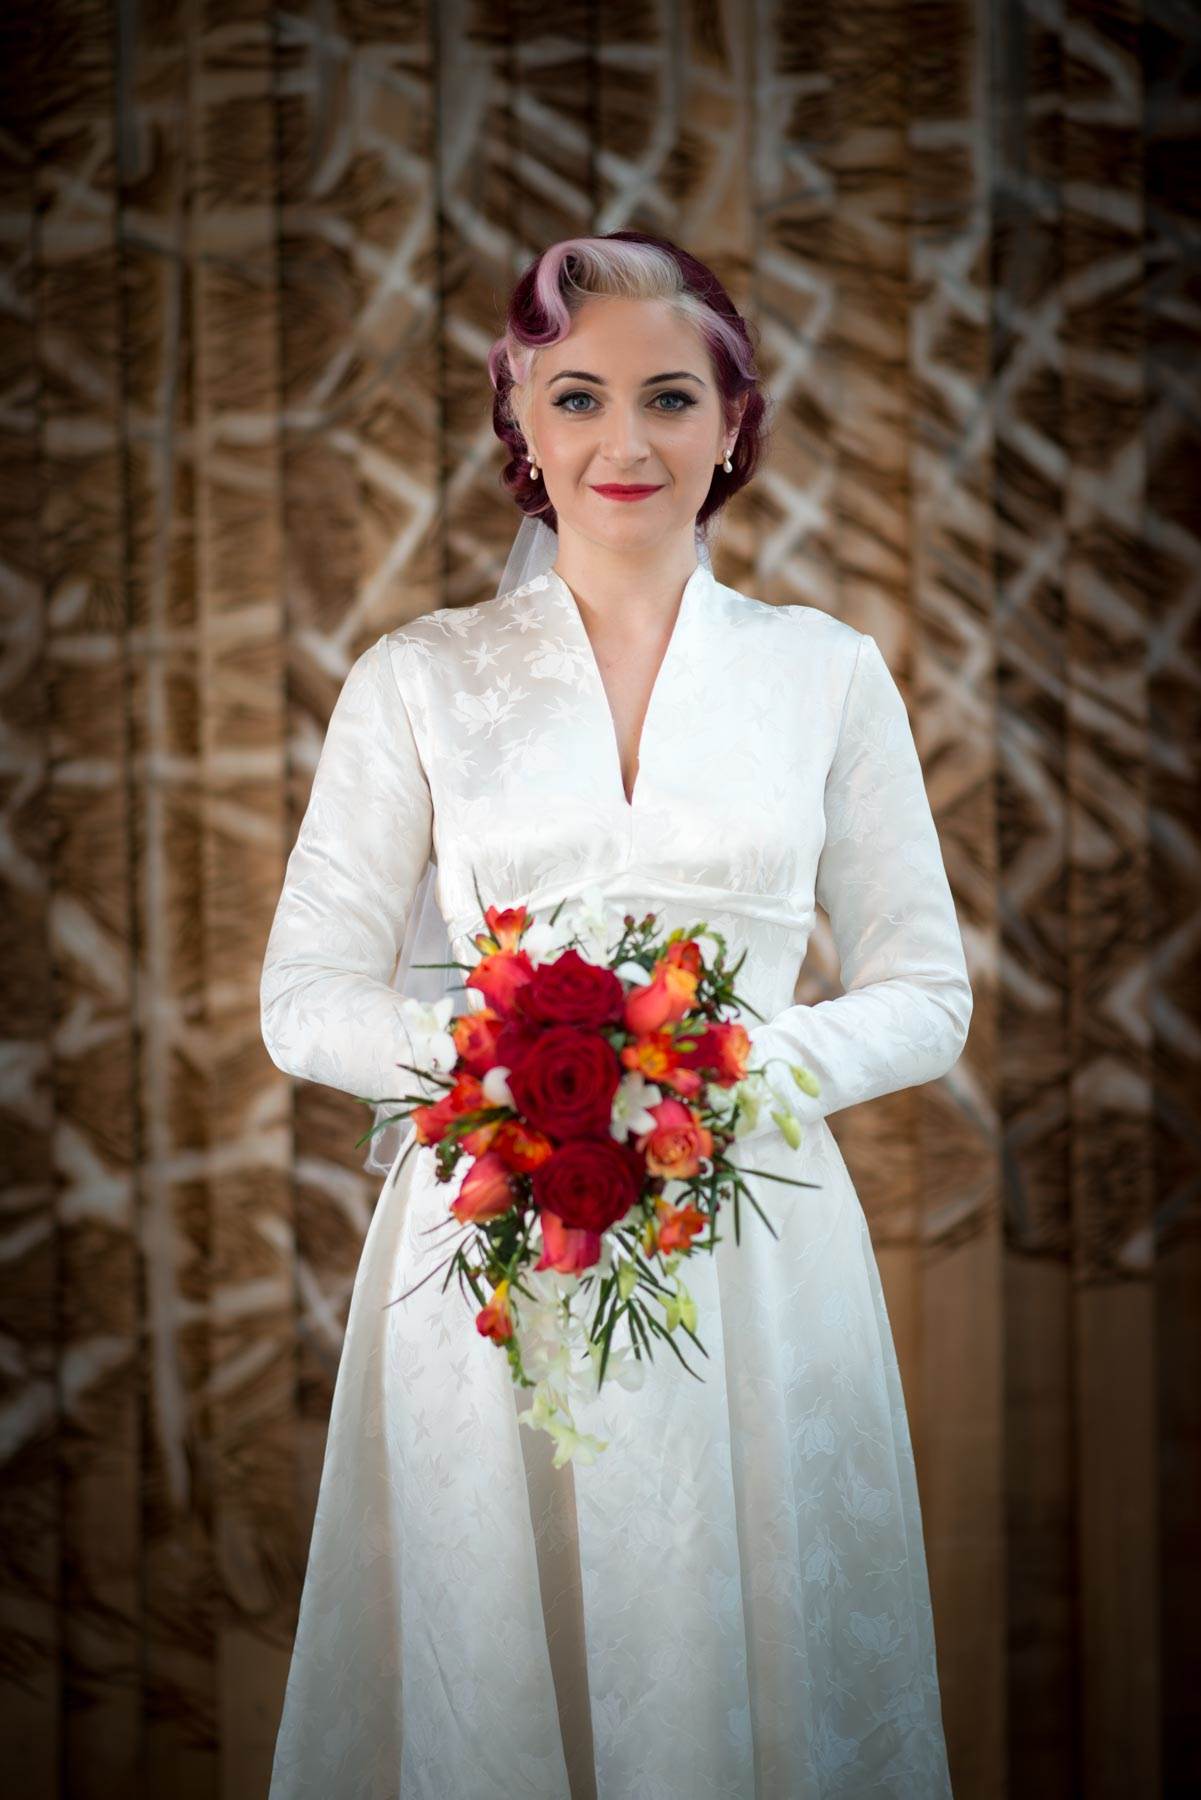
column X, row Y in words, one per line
column 697, row 577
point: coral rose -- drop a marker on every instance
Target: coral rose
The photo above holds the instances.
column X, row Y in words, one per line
column 678, row 1143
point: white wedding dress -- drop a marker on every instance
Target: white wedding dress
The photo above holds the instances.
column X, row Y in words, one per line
column 731, row 1603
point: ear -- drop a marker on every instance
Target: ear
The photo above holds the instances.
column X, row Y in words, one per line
column 739, row 409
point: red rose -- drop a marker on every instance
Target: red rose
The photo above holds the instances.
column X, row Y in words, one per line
column 572, row 991
column 565, row 1083
column 589, row 1184
column 515, row 1041
column 721, row 1051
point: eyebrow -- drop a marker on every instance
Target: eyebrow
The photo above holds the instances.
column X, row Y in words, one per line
column 599, row 381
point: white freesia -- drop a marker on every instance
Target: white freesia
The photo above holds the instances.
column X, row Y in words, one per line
column 550, row 1338
column 570, row 1445
column 588, row 921
column 751, row 1094
column 623, row 1366
column 562, row 1363
column 496, row 1088
column 548, row 1344
column 431, row 1047
column 547, row 1285
column 630, row 1114
column 543, row 941
column 553, row 1355
column 554, row 1342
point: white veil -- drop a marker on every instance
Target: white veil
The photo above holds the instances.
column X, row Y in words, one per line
column 425, row 938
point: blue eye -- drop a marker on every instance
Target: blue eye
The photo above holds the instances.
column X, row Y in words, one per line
column 667, row 394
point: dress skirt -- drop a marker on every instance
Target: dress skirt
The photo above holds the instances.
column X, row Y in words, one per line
column 730, row 1603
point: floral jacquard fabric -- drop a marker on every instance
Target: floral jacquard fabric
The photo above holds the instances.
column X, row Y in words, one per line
column 732, row 1603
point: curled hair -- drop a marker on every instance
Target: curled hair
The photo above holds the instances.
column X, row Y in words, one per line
column 627, row 265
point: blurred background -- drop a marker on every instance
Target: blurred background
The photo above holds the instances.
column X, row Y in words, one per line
column 251, row 260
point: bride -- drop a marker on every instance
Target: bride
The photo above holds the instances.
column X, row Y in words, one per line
column 732, row 1601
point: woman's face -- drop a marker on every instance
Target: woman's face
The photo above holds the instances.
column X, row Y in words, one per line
column 602, row 413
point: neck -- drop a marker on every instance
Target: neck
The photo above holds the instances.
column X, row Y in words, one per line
column 644, row 584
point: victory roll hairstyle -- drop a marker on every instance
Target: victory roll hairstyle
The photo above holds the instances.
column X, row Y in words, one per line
column 627, row 265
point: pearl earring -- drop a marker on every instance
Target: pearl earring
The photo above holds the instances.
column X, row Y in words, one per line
column 533, row 470
column 728, row 465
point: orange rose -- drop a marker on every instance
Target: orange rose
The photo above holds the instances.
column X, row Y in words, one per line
column 499, row 976
column 430, row 1123
column 667, row 996
column 678, row 1143
column 686, row 952
column 475, row 1035
column 495, row 1321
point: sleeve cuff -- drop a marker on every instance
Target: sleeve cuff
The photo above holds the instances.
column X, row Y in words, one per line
column 785, row 1095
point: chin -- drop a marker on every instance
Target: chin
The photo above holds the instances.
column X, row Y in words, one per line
column 625, row 527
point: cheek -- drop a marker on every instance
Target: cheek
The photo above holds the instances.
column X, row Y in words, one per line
column 561, row 444
column 694, row 454
column 694, row 438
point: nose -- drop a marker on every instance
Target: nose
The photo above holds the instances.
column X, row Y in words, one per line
column 625, row 441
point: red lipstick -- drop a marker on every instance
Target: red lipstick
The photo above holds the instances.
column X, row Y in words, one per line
column 613, row 490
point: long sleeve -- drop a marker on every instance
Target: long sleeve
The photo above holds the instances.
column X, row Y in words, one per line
column 903, row 1018
column 328, row 1010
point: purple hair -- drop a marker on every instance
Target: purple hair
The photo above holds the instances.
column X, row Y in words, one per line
column 628, row 264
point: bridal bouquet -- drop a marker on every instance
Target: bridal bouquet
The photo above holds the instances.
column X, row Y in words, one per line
column 582, row 1119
